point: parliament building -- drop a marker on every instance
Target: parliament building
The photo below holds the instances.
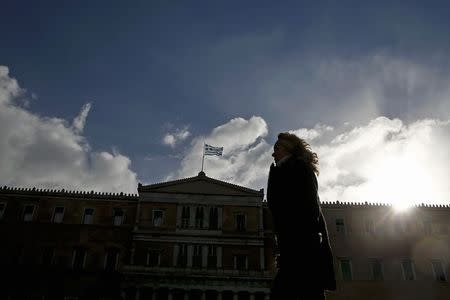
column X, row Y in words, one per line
column 202, row 238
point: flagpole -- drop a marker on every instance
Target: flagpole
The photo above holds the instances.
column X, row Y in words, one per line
column 203, row 159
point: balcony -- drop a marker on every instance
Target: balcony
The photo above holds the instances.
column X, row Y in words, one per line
column 196, row 272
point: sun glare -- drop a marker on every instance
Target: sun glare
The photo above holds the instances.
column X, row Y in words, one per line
column 401, row 181
column 401, row 206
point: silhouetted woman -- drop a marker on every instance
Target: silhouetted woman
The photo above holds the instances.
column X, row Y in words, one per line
column 306, row 262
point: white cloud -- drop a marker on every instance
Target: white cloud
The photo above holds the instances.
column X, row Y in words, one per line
column 47, row 152
column 245, row 155
column 9, row 88
column 171, row 139
column 80, row 120
column 388, row 161
column 312, row 134
column 384, row 161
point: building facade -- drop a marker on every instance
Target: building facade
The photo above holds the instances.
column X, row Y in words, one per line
column 201, row 238
column 383, row 253
column 64, row 244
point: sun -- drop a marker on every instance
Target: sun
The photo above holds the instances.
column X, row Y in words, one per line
column 401, row 206
column 402, row 180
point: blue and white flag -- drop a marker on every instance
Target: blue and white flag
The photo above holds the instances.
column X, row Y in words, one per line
column 211, row 150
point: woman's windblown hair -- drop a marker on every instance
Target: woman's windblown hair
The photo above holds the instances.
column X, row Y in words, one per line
column 299, row 148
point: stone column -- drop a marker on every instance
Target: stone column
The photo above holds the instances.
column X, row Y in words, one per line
column 203, row 295
column 262, row 258
column 235, row 295
column 266, row 296
column 219, row 295
column 252, row 296
column 192, row 211
column 190, row 252
column 170, row 295
column 206, row 217
column 138, row 294
column 219, row 213
column 153, row 294
column 186, row 295
column 219, row 257
column 175, row 254
column 132, row 253
column 204, row 256
column 179, row 210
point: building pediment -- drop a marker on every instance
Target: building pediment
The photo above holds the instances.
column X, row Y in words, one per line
column 200, row 184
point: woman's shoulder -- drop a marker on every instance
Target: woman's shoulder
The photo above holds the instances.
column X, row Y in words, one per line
column 299, row 165
column 297, row 162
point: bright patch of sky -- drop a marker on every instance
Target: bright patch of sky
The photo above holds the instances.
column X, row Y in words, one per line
column 92, row 98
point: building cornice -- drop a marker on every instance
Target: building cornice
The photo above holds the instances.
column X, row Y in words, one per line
column 339, row 204
column 16, row 191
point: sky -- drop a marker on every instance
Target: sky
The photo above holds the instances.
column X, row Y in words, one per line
column 103, row 95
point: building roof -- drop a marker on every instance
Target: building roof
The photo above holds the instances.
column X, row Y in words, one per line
column 200, row 184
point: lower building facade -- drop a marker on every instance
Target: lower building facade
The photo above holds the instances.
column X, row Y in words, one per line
column 201, row 238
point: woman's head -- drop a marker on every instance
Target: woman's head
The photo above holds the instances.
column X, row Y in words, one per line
column 290, row 144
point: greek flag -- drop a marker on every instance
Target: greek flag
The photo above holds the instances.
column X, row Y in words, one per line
column 211, row 150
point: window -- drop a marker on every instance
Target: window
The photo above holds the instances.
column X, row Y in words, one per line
column 199, row 217
column 240, row 222
column 158, row 217
column 118, row 216
column 153, row 258
column 240, row 262
column 405, row 225
column 427, row 226
column 28, row 213
column 185, row 213
column 2, row 209
column 88, row 216
column 48, row 256
column 18, row 254
column 111, row 259
column 399, row 227
column 408, row 269
column 340, row 226
column 212, row 257
column 58, row 214
column 442, row 228
column 213, row 218
column 346, row 269
column 376, row 269
column 368, row 226
column 438, row 270
column 79, row 258
column 197, row 257
column 182, row 256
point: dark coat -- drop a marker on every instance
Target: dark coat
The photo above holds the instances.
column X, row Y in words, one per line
column 306, row 258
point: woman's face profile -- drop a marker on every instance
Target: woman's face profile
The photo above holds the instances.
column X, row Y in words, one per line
column 279, row 152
